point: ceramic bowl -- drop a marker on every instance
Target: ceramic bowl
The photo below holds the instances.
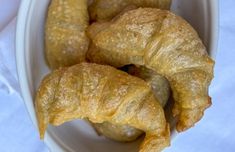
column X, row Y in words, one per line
column 78, row 135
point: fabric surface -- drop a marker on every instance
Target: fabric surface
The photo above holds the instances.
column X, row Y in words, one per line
column 213, row 133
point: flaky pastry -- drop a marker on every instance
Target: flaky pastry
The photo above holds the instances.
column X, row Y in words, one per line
column 107, row 9
column 122, row 133
column 161, row 90
column 159, row 84
column 102, row 94
column 165, row 43
column 66, row 42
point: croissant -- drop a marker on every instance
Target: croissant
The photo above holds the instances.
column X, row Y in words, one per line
column 159, row 84
column 161, row 90
column 102, row 94
column 121, row 133
column 165, row 43
column 66, row 42
column 107, row 9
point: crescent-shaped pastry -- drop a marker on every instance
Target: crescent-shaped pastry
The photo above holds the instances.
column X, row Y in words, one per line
column 165, row 43
column 102, row 94
column 161, row 90
column 66, row 42
column 107, row 9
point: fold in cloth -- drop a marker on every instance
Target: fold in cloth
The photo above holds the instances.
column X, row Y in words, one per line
column 8, row 11
column 8, row 74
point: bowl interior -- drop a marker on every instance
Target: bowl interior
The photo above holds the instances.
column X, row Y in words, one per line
column 78, row 135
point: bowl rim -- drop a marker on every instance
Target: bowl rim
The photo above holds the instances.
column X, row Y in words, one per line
column 22, row 71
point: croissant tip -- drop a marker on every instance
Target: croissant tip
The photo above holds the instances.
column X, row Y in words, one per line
column 181, row 127
column 41, row 137
column 41, row 134
column 209, row 101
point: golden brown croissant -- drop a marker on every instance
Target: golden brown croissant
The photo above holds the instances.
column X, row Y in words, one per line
column 65, row 40
column 159, row 84
column 161, row 90
column 107, row 9
column 165, row 43
column 102, row 94
column 122, row 133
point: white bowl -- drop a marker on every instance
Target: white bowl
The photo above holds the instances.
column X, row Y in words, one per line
column 31, row 66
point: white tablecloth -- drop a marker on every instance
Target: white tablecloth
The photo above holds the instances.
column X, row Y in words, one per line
column 214, row 133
